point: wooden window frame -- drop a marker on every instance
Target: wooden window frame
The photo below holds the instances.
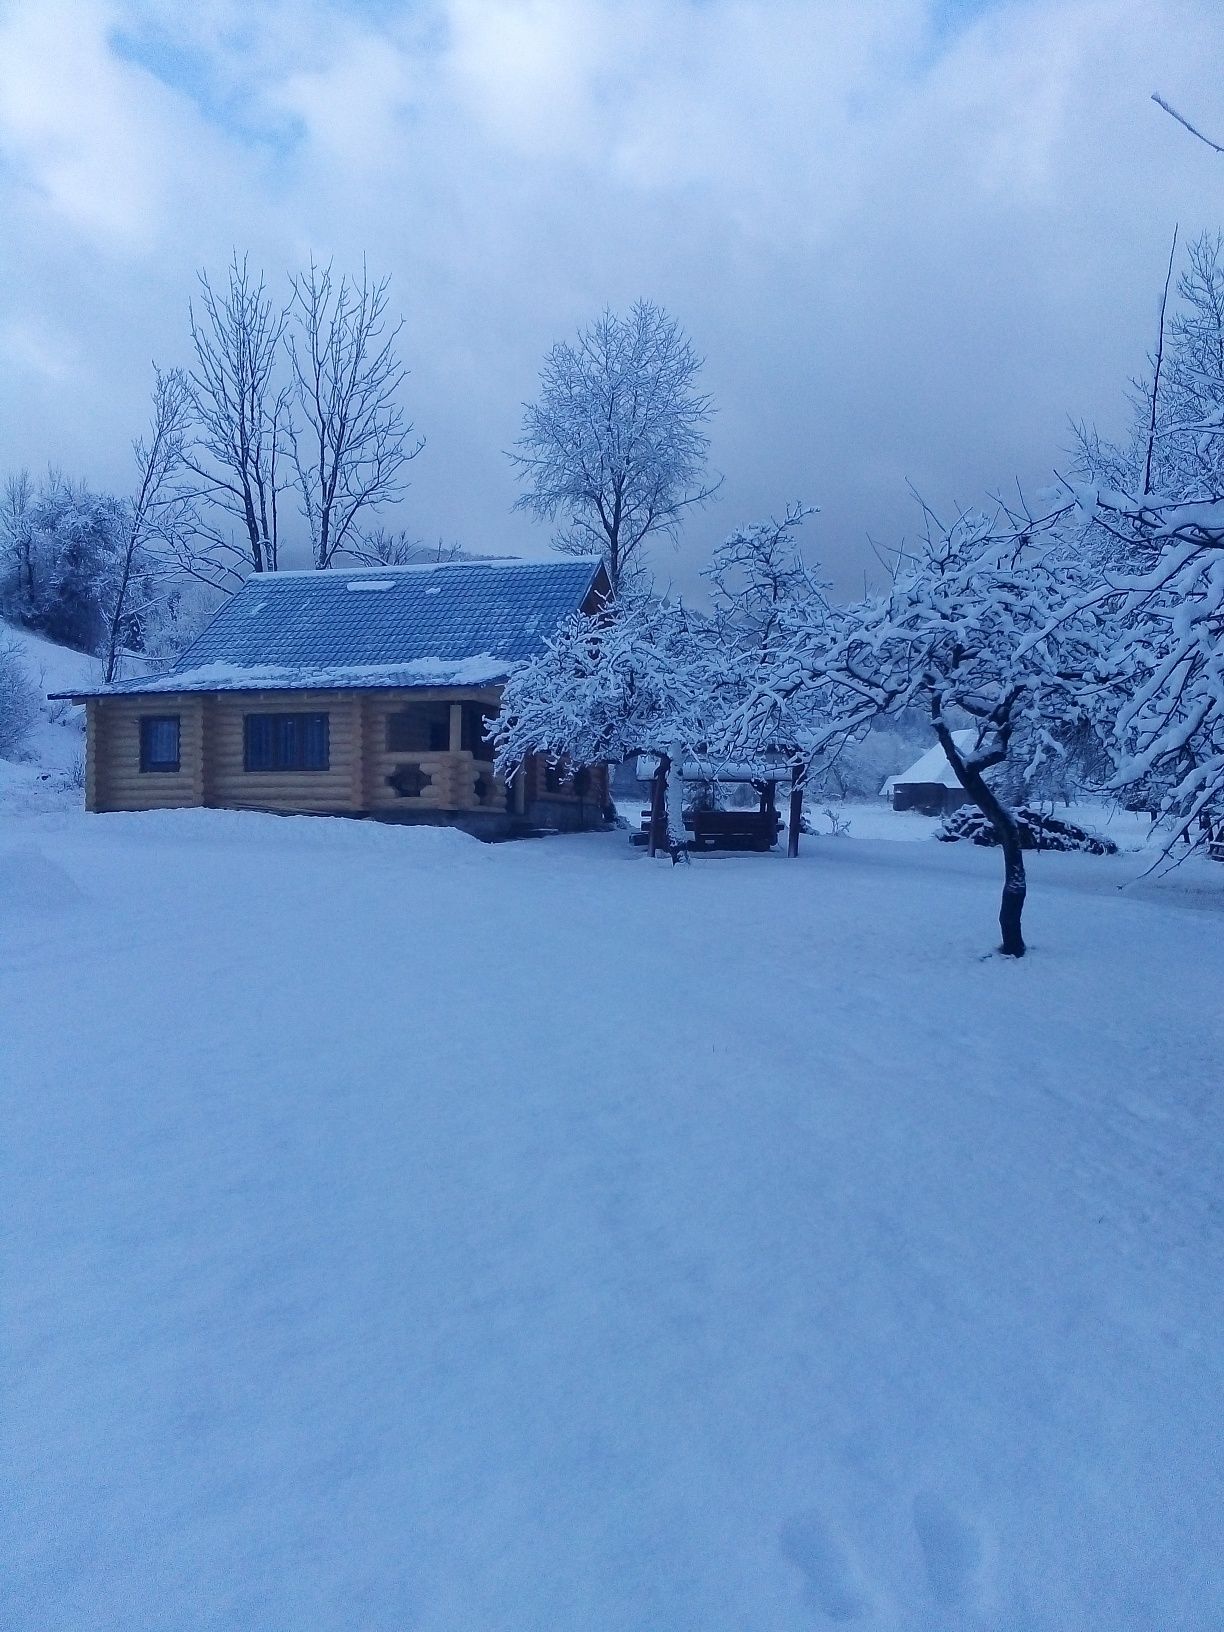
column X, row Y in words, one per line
column 277, row 761
column 160, row 767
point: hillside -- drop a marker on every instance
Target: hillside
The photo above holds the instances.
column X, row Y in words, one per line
column 48, row 774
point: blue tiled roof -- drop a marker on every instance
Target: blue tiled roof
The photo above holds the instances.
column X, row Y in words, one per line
column 471, row 622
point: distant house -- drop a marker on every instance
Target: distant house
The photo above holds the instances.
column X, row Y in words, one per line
column 360, row 692
column 930, row 785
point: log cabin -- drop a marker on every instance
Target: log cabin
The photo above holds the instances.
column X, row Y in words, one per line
column 361, row 693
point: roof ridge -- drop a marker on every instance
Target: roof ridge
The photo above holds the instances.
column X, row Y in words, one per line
column 333, row 573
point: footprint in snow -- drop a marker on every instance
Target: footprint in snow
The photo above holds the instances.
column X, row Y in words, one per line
column 831, row 1579
column 952, row 1552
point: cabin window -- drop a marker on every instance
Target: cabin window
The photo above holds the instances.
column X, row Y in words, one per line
column 159, row 742
column 421, row 728
column 285, row 742
column 474, row 722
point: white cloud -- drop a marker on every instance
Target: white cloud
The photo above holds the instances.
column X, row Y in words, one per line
column 79, row 126
column 903, row 253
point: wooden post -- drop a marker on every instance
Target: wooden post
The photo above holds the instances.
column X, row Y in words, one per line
column 358, row 783
column 658, row 795
column 456, row 796
column 93, row 752
column 193, row 709
column 795, row 819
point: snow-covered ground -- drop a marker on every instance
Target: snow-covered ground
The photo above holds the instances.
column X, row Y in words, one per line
column 403, row 1233
column 876, row 819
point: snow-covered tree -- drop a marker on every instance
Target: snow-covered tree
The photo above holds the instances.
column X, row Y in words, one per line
column 763, row 592
column 1156, row 508
column 975, row 628
column 631, row 679
column 353, row 440
column 19, row 699
column 614, row 448
column 775, row 626
column 59, row 547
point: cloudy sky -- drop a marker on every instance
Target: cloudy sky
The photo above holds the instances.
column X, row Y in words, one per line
column 909, row 237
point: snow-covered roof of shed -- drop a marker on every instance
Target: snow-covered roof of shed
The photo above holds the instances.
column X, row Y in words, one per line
column 458, row 623
column 933, row 765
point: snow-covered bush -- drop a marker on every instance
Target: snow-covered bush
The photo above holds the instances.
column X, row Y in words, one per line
column 1038, row 831
column 59, row 548
column 19, row 700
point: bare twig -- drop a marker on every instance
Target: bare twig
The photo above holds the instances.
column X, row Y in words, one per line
column 1160, row 102
column 1154, row 400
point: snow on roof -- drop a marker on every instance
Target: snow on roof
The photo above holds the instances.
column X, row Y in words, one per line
column 933, row 765
column 482, row 670
column 435, row 623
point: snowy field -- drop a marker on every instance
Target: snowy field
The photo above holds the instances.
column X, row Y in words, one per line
column 408, row 1234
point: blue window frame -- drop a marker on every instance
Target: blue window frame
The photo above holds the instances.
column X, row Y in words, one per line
column 285, row 742
column 159, row 742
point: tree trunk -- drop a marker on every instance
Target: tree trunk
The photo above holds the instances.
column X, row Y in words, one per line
column 1015, row 888
column 1015, row 883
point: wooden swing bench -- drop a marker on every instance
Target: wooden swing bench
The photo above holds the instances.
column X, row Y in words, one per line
column 724, row 829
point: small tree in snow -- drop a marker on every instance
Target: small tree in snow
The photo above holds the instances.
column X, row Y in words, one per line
column 632, row 679
column 976, row 628
column 614, row 448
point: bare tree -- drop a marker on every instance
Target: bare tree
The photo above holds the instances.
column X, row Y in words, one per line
column 614, row 448
column 159, row 512
column 351, row 450
column 240, row 416
column 382, row 548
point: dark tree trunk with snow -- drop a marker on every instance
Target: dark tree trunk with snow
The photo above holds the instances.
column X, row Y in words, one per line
column 666, row 810
column 1015, row 883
